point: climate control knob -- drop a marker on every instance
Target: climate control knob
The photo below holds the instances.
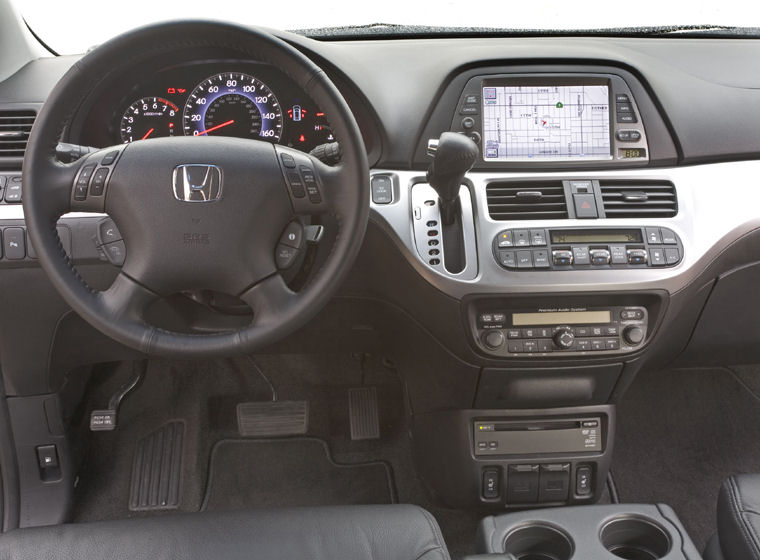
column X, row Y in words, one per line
column 633, row 335
column 564, row 338
column 493, row 339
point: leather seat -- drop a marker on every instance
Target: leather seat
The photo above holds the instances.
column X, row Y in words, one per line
column 395, row 532
column 738, row 535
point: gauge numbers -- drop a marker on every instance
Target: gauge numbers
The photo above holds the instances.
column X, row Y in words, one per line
column 149, row 117
column 233, row 104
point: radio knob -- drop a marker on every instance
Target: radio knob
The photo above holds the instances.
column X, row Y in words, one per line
column 564, row 337
column 633, row 335
column 493, row 339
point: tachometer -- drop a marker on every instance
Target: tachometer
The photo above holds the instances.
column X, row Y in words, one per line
column 149, row 117
column 233, row 104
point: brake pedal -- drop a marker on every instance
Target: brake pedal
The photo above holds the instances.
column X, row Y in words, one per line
column 363, row 413
column 105, row 420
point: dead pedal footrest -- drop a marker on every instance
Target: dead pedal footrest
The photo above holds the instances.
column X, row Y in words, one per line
column 157, row 469
column 273, row 419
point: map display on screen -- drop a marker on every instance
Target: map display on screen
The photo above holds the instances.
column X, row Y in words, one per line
column 546, row 122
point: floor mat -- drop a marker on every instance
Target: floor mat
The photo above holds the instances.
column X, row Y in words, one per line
column 290, row 472
column 679, row 434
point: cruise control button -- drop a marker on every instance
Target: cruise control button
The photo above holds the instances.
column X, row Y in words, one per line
column 508, row 259
column 524, row 259
column 310, row 182
column 285, row 256
column 293, row 235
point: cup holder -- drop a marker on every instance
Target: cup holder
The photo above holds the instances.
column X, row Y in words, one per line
column 634, row 538
column 538, row 542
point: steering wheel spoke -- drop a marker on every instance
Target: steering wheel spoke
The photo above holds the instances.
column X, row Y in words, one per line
column 271, row 301
column 126, row 300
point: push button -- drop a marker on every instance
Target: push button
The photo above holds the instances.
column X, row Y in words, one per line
column 99, row 182
column 522, row 484
column 653, row 236
column 47, row 457
column 538, row 237
column 293, row 235
column 116, row 252
column 562, row 258
column 13, row 190
column 524, row 259
column 296, row 186
column 521, row 238
column 668, row 237
column 585, row 206
column 672, row 255
column 580, row 255
column 541, row 259
column 504, row 239
column 14, row 243
column 508, row 259
column 108, row 232
column 583, row 481
column 110, row 158
column 657, row 257
column 618, row 254
column 382, row 189
column 285, row 256
column 490, row 484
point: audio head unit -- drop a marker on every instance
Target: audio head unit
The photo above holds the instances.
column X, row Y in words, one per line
column 572, row 119
column 560, row 331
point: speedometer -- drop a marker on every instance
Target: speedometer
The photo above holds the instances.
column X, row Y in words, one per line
column 233, row 104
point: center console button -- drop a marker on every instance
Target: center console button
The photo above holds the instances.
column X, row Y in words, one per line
column 583, row 480
column 668, row 237
column 541, row 259
column 508, row 259
column 513, row 333
column 493, row 339
column 562, row 257
column 618, row 254
column 522, row 484
column 529, row 333
column 583, row 345
column 582, row 331
column 637, row 256
column 515, row 347
column 599, row 257
column 538, row 237
column 612, row 344
column 672, row 256
column 521, row 238
column 580, row 255
column 504, row 239
column 632, row 314
column 653, row 236
column 530, row 346
column 612, row 330
column 545, row 345
column 633, row 335
column 524, row 259
column 490, row 484
column 597, row 344
column 657, row 257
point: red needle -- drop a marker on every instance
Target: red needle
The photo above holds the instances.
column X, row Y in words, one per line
column 148, row 134
column 217, row 127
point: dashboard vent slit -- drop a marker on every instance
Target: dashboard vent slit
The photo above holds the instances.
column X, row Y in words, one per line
column 15, row 127
column 526, row 200
column 639, row 198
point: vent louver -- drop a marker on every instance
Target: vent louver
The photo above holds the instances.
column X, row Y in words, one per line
column 14, row 132
column 526, row 200
column 639, row 199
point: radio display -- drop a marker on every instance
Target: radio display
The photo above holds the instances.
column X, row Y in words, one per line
column 605, row 236
column 559, row 120
column 560, row 318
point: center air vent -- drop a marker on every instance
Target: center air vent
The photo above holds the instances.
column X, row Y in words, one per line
column 526, row 200
column 639, row 199
column 14, row 132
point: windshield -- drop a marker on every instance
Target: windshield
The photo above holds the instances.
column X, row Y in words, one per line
column 70, row 31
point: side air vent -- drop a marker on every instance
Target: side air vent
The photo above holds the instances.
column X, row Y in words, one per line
column 14, row 132
column 526, row 200
column 639, row 199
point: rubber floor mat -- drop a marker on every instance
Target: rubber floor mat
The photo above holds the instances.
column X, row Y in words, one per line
column 290, row 472
column 157, row 469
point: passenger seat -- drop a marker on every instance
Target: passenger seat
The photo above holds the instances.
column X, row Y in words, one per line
column 738, row 535
column 393, row 532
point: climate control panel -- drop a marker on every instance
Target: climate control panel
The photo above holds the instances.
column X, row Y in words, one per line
column 596, row 248
column 561, row 331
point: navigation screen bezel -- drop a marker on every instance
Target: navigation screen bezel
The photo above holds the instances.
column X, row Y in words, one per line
column 549, row 81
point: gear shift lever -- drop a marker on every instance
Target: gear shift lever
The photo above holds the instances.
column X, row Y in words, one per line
column 453, row 156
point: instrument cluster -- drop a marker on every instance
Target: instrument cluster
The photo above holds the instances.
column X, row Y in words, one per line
column 216, row 98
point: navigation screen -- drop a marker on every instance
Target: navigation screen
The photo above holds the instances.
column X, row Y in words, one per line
column 546, row 122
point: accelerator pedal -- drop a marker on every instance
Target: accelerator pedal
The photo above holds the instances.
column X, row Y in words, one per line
column 157, row 469
column 363, row 413
column 273, row 418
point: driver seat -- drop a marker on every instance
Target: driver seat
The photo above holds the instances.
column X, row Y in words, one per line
column 389, row 532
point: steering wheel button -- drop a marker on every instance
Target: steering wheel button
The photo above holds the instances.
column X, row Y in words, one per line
column 292, row 236
column 99, row 182
column 116, row 252
column 296, row 186
column 80, row 192
column 108, row 232
column 285, row 256
column 288, row 161
column 110, row 158
column 86, row 173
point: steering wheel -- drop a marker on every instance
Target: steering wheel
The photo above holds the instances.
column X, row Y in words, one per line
column 195, row 212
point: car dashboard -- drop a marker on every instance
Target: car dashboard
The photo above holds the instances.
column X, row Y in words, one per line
column 609, row 223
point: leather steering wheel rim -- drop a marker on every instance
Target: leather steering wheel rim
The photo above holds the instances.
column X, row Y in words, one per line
column 48, row 184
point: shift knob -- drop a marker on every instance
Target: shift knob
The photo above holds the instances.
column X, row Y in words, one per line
column 453, row 156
